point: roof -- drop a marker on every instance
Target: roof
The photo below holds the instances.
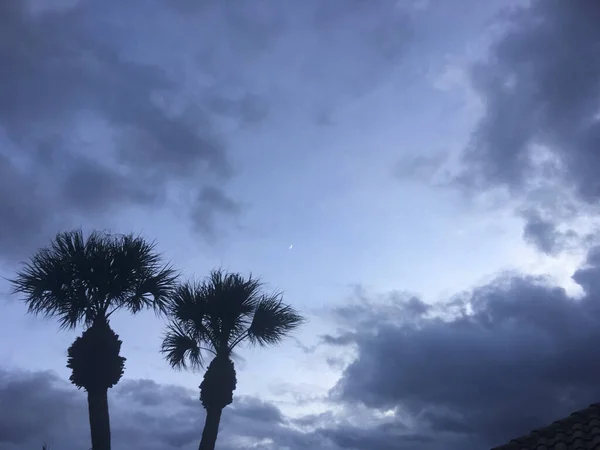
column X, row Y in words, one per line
column 579, row 431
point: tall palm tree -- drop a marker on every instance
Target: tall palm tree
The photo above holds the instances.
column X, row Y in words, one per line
column 84, row 281
column 211, row 318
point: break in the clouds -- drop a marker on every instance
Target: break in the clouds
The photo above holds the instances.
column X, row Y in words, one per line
column 540, row 130
column 106, row 106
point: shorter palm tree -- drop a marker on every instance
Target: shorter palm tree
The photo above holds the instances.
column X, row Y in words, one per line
column 79, row 280
column 213, row 317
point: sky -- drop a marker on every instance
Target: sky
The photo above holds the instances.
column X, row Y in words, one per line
column 418, row 177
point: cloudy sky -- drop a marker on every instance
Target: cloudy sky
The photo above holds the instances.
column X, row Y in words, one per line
column 420, row 177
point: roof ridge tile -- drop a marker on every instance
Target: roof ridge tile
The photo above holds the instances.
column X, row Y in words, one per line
column 578, row 431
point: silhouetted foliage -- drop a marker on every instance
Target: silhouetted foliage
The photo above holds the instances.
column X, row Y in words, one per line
column 213, row 317
column 78, row 280
column 84, row 281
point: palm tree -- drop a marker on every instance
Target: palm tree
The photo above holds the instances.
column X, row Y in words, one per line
column 84, row 281
column 213, row 317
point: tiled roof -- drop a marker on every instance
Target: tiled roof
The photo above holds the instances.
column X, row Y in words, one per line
column 579, row 431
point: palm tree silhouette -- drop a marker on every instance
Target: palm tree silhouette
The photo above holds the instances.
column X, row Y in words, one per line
column 84, row 281
column 212, row 317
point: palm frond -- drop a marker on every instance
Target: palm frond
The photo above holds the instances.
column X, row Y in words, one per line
column 272, row 321
column 139, row 278
column 50, row 280
column 181, row 350
column 187, row 302
column 77, row 279
column 189, row 307
column 218, row 313
column 152, row 290
column 234, row 299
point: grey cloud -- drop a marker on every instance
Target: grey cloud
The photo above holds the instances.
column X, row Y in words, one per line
column 387, row 437
column 36, row 407
column 519, row 354
column 342, row 339
column 367, row 313
column 90, row 93
column 64, row 66
column 309, row 55
column 66, row 76
column 351, row 438
column 541, row 127
column 335, row 362
column 249, row 108
column 542, row 233
column 258, row 410
column 89, row 186
column 358, row 430
column 20, row 208
column 150, row 393
column 384, row 28
column 40, row 407
column 208, row 203
column 545, row 235
column 418, row 167
column 255, row 26
column 374, row 38
column 394, row 306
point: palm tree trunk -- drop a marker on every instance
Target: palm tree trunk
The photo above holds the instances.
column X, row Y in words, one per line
column 99, row 419
column 211, row 429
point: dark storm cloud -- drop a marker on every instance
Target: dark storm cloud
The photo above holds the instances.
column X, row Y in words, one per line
column 493, row 364
column 66, row 75
column 539, row 136
column 98, row 112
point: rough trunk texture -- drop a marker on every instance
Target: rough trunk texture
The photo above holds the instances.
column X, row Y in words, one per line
column 99, row 419
column 211, row 429
column 216, row 392
column 94, row 358
column 97, row 366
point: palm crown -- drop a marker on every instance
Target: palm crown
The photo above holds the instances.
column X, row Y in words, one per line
column 83, row 280
column 86, row 280
column 217, row 314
